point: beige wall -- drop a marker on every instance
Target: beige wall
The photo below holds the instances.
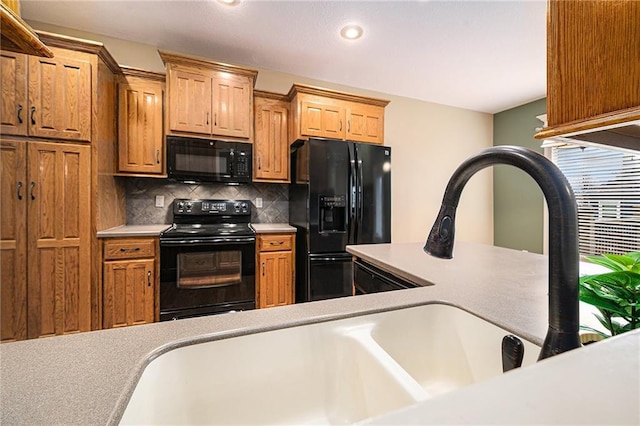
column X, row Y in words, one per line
column 428, row 142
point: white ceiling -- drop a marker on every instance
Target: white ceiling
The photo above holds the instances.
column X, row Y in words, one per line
column 480, row 55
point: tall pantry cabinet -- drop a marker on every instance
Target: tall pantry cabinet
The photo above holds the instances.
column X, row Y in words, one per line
column 57, row 164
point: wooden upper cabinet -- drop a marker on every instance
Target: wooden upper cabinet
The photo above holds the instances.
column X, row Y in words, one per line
column 271, row 144
column 208, row 98
column 140, row 130
column 322, row 119
column 13, row 247
column 232, row 106
column 60, row 98
column 317, row 112
column 365, row 123
column 593, row 65
column 59, row 238
column 17, row 35
column 14, row 110
column 190, row 102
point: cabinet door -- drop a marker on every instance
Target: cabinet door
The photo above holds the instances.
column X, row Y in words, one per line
column 271, row 145
column 58, row 234
column 140, row 138
column 322, row 120
column 232, row 106
column 128, row 287
column 365, row 123
column 13, row 244
column 190, row 102
column 275, row 282
column 13, row 113
column 59, row 98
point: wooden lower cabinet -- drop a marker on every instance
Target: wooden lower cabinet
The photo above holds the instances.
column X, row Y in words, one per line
column 129, row 281
column 275, row 270
column 46, row 239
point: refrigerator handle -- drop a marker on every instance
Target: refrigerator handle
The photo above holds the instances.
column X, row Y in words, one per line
column 353, row 178
column 360, row 212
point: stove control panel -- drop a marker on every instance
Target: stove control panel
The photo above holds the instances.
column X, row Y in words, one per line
column 187, row 207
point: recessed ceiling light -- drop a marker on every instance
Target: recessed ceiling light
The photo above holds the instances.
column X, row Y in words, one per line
column 229, row 2
column 351, row 32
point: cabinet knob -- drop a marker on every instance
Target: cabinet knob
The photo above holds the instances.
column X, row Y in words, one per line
column 33, row 118
column 19, row 190
column 148, row 278
column 18, row 114
column 207, row 118
column 340, row 125
column 259, row 163
column 33, row 185
column 263, row 269
column 158, row 156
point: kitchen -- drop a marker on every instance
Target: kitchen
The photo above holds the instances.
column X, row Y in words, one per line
column 462, row 124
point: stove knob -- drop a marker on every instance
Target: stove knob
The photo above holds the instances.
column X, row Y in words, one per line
column 188, row 205
column 180, row 205
column 244, row 207
column 236, row 206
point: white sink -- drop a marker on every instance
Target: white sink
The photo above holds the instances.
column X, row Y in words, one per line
column 336, row 372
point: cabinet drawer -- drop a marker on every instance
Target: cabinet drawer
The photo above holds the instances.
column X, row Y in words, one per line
column 275, row 242
column 129, row 248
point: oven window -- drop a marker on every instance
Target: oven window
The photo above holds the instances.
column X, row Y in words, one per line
column 201, row 163
column 209, row 269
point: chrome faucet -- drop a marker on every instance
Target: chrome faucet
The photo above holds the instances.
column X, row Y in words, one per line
column 562, row 334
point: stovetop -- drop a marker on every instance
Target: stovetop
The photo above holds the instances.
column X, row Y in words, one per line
column 185, row 230
column 210, row 218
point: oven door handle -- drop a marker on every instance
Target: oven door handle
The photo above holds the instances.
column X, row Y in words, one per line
column 212, row 241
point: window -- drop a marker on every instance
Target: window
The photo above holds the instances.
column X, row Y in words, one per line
column 606, row 183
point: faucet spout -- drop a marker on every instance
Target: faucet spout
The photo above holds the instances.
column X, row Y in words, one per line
column 562, row 334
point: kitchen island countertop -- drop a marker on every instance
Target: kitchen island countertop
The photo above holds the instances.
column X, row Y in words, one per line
column 87, row 378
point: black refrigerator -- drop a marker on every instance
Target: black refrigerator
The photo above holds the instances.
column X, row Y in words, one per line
column 340, row 194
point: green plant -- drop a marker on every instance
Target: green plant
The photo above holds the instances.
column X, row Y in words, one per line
column 615, row 294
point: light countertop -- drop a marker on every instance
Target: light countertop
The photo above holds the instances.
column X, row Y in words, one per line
column 272, row 228
column 133, row 231
column 88, row 378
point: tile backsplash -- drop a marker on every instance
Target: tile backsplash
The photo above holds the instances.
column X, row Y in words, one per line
column 142, row 192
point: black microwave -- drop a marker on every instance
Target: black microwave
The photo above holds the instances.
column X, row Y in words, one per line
column 194, row 160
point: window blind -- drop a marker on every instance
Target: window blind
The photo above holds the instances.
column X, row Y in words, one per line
column 606, row 184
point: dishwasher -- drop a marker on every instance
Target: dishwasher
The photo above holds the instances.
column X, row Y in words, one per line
column 369, row 279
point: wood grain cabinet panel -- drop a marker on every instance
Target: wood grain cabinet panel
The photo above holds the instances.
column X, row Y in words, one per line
column 209, row 99
column 275, row 271
column 276, row 285
column 271, row 144
column 128, row 292
column 232, row 106
column 13, row 241
column 593, row 65
column 58, row 234
column 14, row 110
column 190, row 102
column 140, row 130
column 320, row 120
column 60, row 98
column 129, row 281
column 317, row 112
column 365, row 123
